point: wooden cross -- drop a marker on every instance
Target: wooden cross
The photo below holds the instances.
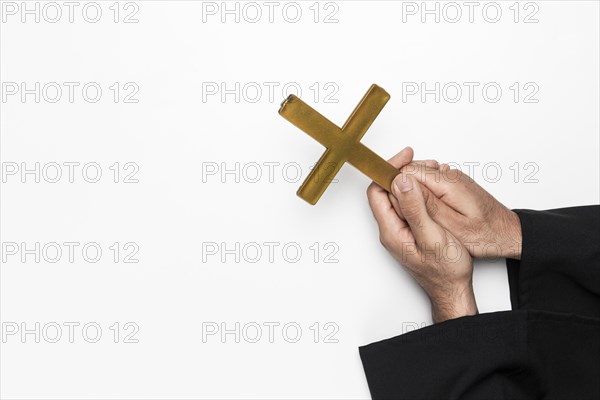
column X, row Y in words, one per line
column 343, row 145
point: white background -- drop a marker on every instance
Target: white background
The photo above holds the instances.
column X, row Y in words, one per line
column 173, row 135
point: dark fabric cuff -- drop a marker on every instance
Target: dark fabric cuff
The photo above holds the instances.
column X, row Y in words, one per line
column 442, row 361
column 510, row 355
column 559, row 270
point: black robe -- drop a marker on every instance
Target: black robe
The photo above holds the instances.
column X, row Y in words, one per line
column 547, row 347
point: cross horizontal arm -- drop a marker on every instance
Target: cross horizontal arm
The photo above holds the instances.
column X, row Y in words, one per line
column 310, row 121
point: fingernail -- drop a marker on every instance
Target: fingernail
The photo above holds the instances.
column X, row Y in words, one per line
column 403, row 184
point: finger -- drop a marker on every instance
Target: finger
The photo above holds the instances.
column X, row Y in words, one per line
column 441, row 182
column 404, row 157
column 455, row 189
column 401, row 159
column 412, row 204
column 383, row 211
column 393, row 231
column 430, row 164
column 442, row 213
column 435, row 207
column 396, row 206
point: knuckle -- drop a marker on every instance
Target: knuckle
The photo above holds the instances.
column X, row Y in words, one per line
column 411, row 209
column 453, row 175
column 464, row 178
column 410, row 169
column 370, row 190
column 431, row 203
column 384, row 240
column 432, row 164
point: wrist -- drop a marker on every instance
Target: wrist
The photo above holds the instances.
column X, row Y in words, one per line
column 507, row 234
column 455, row 303
column 510, row 238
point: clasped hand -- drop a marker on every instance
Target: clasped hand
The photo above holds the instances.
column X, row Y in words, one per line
column 434, row 222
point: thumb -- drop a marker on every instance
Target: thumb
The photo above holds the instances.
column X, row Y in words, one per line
column 412, row 204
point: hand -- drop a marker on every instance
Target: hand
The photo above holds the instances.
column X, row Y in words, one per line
column 430, row 253
column 486, row 227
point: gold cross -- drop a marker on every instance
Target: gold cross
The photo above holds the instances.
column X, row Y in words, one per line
column 343, row 145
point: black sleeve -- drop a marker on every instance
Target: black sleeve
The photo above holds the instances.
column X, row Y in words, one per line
column 548, row 347
column 559, row 270
column 509, row 355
